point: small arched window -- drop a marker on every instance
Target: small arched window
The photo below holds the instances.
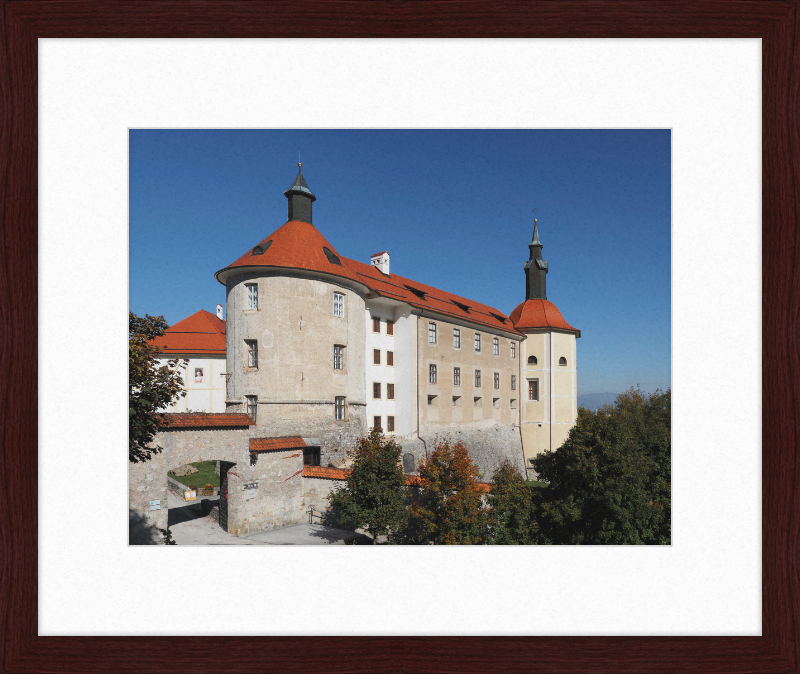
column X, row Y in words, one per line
column 562, row 361
column 532, row 360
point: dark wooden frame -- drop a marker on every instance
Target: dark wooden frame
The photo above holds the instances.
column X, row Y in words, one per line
column 776, row 22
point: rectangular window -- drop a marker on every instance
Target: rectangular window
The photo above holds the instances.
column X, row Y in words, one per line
column 376, row 324
column 389, row 327
column 376, row 390
column 496, row 346
column 376, row 356
column 477, row 378
column 389, row 391
column 476, row 402
column 495, row 402
column 477, row 342
column 432, row 374
column 431, row 333
column 376, row 423
column 252, row 406
column 432, row 400
column 338, row 357
column 311, row 456
column 339, row 409
column 252, row 353
column 390, row 358
column 456, row 376
column 338, row 305
column 456, row 401
column 513, row 403
column 497, row 380
column 456, row 338
column 513, row 349
column 390, row 424
column 533, row 390
column 513, row 382
column 252, row 296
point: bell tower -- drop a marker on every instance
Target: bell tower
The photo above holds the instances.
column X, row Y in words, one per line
column 535, row 269
column 300, row 198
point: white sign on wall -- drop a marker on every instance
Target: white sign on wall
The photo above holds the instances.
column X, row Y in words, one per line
column 155, row 505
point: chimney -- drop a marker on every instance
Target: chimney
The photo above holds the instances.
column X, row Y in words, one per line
column 219, row 312
column 381, row 261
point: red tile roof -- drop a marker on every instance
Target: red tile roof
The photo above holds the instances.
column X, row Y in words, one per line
column 540, row 314
column 201, row 333
column 376, row 254
column 205, row 420
column 322, row 471
column 295, row 245
column 267, row 444
column 298, row 245
column 341, row 474
column 435, row 300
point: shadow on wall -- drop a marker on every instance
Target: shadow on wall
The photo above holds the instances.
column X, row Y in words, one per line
column 140, row 532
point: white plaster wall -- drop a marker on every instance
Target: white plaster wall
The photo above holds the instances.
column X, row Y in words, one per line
column 379, row 373
column 405, row 358
column 205, row 396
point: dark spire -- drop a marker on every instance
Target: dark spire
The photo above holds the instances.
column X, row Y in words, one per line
column 300, row 198
column 535, row 268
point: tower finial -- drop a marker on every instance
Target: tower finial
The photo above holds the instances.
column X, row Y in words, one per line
column 299, row 165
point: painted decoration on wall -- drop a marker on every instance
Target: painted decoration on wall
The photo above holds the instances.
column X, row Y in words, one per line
column 198, row 375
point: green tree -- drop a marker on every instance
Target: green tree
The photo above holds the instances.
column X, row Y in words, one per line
column 373, row 497
column 151, row 385
column 610, row 482
column 448, row 506
column 512, row 509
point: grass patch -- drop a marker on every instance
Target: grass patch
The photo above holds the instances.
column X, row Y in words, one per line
column 205, row 475
column 538, row 485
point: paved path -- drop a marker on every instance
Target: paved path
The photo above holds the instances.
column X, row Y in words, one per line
column 189, row 527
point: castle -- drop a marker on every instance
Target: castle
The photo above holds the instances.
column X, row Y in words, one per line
column 320, row 348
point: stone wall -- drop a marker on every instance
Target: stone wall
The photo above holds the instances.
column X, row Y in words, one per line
column 281, row 496
column 488, row 447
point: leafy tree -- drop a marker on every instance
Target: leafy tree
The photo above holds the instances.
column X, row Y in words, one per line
column 373, row 497
column 448, row 508
column 512, row 509
column 609, row 483
column 151, row 385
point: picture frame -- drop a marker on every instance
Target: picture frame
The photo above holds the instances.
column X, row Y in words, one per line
column 774, row 22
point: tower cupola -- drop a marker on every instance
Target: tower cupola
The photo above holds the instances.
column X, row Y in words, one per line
column 300, row 198
column 535, row 269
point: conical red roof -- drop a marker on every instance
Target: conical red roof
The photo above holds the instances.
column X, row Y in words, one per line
column 540, row 314
column 295, row 245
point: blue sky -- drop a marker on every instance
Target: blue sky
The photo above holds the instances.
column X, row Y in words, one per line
column 452, row 207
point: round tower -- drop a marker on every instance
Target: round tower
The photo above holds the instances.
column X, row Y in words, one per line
column 295, row 334
column 548, row 364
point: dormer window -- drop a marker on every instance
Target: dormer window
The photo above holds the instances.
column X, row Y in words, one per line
column 419, row 293
column 331, row 257
column 463, row 307
column 261, row 248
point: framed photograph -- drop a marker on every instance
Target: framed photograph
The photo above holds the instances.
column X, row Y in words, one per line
column 26, row 649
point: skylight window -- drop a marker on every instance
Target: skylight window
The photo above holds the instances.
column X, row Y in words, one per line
column 463, row 307
column 499, row 318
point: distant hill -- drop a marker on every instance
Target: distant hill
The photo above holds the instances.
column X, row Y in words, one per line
column 592, row 401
